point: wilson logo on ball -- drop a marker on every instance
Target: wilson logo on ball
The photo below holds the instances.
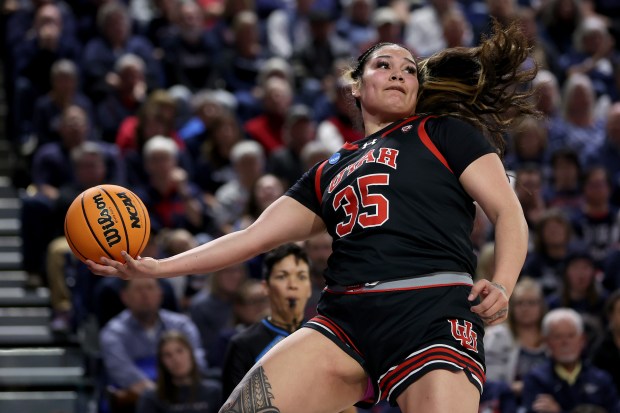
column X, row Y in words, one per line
column 106, row 222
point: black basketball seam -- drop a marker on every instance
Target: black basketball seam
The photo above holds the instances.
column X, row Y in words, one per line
column 71, row 243
column 120, row 216
column 146, row 231
column 92, row 231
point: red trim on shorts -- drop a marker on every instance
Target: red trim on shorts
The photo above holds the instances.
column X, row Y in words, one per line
column 443, row 353
column 357, row 289
column 338, row 332
column 409, row 119
column 426, row 140
column 317, row 181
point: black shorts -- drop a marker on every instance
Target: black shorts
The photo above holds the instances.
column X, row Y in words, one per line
column 398, row 336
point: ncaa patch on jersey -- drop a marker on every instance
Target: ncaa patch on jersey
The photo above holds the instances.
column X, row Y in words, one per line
column 406, row 128
column 334, row 158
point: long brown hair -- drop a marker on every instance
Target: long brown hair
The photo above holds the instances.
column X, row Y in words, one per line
column 167, row 391
column 484, row 85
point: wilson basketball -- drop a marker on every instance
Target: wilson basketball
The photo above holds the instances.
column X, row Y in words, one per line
column 105, row 220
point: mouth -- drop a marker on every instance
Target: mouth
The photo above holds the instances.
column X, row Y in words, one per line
column 398, row 89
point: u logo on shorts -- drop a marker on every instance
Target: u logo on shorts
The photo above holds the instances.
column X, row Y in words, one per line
column 464, row 334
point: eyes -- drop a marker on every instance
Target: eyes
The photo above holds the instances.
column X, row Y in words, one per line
column 384, row 64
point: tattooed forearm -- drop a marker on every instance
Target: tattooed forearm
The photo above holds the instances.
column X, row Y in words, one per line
column 252, row 395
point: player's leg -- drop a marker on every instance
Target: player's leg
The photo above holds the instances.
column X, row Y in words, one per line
column 440, row 391
column 305, row 373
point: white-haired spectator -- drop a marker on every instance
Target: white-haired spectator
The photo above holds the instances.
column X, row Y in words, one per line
column 249, row 161
column 565, row 381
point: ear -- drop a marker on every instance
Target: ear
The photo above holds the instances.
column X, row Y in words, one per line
column 355, row 91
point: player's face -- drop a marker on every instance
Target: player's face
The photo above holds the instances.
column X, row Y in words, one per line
column 177, row 359
column 389, row 84
column 289, row 282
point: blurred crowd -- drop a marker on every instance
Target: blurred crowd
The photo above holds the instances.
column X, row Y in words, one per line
column 210, row 109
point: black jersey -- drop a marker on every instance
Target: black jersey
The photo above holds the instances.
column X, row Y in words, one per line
column 393, row 202
column 246, row 348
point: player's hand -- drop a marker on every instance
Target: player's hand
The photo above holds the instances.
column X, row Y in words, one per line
column 493, row 306
column 132, row 268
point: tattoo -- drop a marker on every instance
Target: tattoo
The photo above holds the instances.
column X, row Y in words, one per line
column 252, row 395
column 498, row 285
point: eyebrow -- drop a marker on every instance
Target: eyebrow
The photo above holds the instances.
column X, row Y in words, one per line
column 390, row 57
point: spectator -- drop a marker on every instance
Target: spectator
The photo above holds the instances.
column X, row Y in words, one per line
column 424, row 29
column 313, row 153
column 173, row 200
column 299, row 129
column 267, row 128
column 592, row 55
column 212, row 308
column 288, row 29
column 45, row 43
column 548, row 100
column 65, row 91
column 213, row 167
column 129, row 341
column 456, row 29
column 560, row 19
column 88, row 162
column 564, row 187
column 552, row 246
column 355, row 24
column 190, row 51
column 580, row 128
column 115, row 39
column 343, row 126
column 313, row 61
column 564, row 381
column 126, row 95
column 609, row 154
column 528, row 140
column 606, row 354
column 581, row 292
column 287, row 280
column 597, row 221
column 176, row 241
column 241, row 63
column 248, row 161
column 529, row 190
column 387, row 26
column 51, row 169
column 513, row 349
column 179, row 386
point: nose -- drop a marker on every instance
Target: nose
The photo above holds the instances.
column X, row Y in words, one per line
column 396, row 76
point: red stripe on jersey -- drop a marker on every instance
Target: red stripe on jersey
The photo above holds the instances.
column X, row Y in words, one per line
column 384, row 134
column 350, row 146
column 317, row 182
column 337, row 331
column 438, row 353
column 426, row 140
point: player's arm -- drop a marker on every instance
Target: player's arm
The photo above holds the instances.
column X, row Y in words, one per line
column 486, row 182
column 286, row 220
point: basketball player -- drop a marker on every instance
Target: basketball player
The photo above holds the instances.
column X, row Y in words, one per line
column 400, row 318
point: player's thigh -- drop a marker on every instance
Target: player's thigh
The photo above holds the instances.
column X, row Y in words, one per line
column 440, row 391
column 305, row 373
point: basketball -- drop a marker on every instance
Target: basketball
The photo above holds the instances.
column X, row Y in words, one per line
column 105, row 220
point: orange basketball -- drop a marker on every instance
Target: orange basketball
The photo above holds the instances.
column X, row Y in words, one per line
column 105, row 220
